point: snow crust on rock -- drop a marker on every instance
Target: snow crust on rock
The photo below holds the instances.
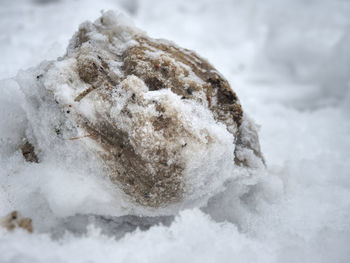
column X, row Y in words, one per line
column 68, row 105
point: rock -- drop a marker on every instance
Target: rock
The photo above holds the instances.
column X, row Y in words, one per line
column 15, row 220
column 28, row 152
column 166, row 124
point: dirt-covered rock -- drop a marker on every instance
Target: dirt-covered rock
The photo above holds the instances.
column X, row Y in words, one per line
column 167, row 126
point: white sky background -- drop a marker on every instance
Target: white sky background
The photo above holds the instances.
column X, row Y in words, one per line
column 288, row 61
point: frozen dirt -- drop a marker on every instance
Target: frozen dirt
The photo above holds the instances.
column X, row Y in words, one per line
column 288, row 62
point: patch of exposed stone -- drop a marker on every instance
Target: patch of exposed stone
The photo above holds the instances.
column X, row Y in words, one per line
column 28, row 152
column 16, row 220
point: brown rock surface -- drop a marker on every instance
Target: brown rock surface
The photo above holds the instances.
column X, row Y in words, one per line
column 16, row 220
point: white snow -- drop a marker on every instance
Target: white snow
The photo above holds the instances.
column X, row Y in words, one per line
column 289, row 63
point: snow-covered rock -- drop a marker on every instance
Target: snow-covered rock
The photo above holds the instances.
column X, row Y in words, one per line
column 157, row 120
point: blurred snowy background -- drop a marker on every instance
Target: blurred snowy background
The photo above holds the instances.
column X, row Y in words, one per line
column 288, row 61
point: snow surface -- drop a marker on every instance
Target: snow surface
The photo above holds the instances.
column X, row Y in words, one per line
column 289, row 63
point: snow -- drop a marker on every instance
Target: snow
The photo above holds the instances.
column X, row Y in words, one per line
column 288, row 61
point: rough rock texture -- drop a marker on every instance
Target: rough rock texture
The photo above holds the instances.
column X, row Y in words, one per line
column 161, row 118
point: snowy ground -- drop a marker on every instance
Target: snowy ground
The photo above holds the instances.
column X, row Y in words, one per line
column 289, row 63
